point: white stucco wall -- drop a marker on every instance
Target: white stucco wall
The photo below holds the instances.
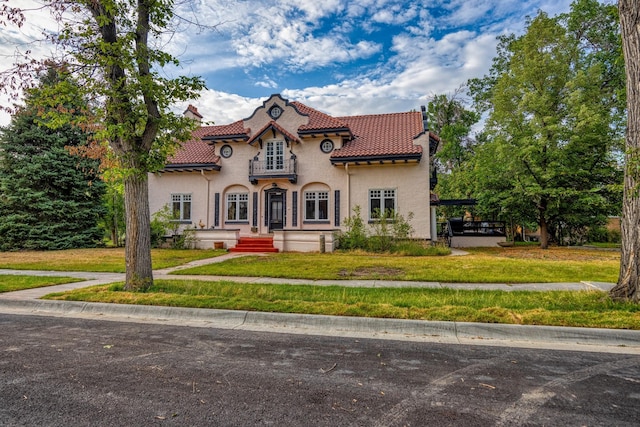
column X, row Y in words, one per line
column 162, row 185
column 410, row 183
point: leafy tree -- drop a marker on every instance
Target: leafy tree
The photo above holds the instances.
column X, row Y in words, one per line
column 112, row 47
column 49, row 198
column 452, row 122
column 554, row 112
column 628, row 286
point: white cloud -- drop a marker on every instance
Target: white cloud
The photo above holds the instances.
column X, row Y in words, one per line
column 274, row 35
column 395, row 14
column 437, row 46
column 266, row 82
column 222, row 108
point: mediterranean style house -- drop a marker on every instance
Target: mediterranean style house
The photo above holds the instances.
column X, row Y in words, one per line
column 292, row 174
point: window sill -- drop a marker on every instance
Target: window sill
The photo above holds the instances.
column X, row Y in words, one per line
column 236, row 222
column 321, row 221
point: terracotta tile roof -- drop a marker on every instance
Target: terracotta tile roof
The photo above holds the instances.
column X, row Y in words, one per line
column 222, row 132
column 377, row 136
column 195, row 151
column 273, row 125
column 382, row 135
column 318, row 120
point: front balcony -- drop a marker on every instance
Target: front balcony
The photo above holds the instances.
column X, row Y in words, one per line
column 288, row 169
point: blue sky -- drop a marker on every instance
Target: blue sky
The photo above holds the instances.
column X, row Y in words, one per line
column 339, row 56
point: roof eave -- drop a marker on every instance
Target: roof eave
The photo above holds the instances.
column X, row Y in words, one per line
column 326, row 132
column 213, row 139
column 191, row 167
column 393, row 158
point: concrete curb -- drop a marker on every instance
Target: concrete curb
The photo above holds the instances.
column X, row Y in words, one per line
column 416, row 330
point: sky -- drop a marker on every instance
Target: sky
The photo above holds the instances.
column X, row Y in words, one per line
column 341, row 57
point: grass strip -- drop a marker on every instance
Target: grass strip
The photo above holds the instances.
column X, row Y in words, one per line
column 106, row 260
column 556, row 308
column 10, row 282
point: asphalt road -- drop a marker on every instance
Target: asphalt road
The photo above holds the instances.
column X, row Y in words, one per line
column 79, row 372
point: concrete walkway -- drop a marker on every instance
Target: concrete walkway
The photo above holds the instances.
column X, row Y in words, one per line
column 28, row 302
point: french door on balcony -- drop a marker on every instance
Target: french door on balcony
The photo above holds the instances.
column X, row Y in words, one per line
column 274, row 156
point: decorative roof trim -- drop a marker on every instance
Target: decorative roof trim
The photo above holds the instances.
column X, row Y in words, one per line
column 271, row 97
column 377, row 159
column 273, row 126
column 191, row 167
column 324, row 132
column 211, row 139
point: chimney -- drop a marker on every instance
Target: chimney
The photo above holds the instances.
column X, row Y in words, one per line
column 192, row 113
column 425, row 121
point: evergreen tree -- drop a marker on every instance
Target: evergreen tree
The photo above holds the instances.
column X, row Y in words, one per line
column 49, row 198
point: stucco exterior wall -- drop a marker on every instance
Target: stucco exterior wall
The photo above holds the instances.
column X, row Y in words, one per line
column 206, row 239
column 304, row 240
column 163, row 184
column 411, row 184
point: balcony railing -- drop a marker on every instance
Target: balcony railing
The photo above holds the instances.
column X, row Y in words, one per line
column 259, row 169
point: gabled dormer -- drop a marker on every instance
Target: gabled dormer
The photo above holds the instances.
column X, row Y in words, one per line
column 279, row 111
column 275, row 158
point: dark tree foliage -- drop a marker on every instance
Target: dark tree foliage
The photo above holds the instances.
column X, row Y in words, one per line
column 49, row 198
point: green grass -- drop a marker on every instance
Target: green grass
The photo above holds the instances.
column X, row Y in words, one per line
column 560, row 308
column 97, row 260
column 483, row 265
column 9, row 282
column 499, row 265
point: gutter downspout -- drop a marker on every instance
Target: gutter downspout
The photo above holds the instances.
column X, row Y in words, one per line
column 208, row 195
column 346, row 169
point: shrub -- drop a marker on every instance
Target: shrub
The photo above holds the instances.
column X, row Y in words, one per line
column 603, row 235
column 389, row 230
column 355, row 237
column 157, row 233
column 164, row 223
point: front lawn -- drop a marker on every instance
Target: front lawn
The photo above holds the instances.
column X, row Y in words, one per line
column 106, row 260
column 482, row 265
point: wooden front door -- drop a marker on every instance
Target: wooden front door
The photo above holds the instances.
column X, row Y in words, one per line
column 275, row 209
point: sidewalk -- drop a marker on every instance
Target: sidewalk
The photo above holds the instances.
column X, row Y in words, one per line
column 27, row 302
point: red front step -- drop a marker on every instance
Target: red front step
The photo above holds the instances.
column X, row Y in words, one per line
column 254, row 244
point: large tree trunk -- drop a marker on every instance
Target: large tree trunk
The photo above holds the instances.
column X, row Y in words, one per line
column 139, row 274
column 628, row 286
column 544, row 228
